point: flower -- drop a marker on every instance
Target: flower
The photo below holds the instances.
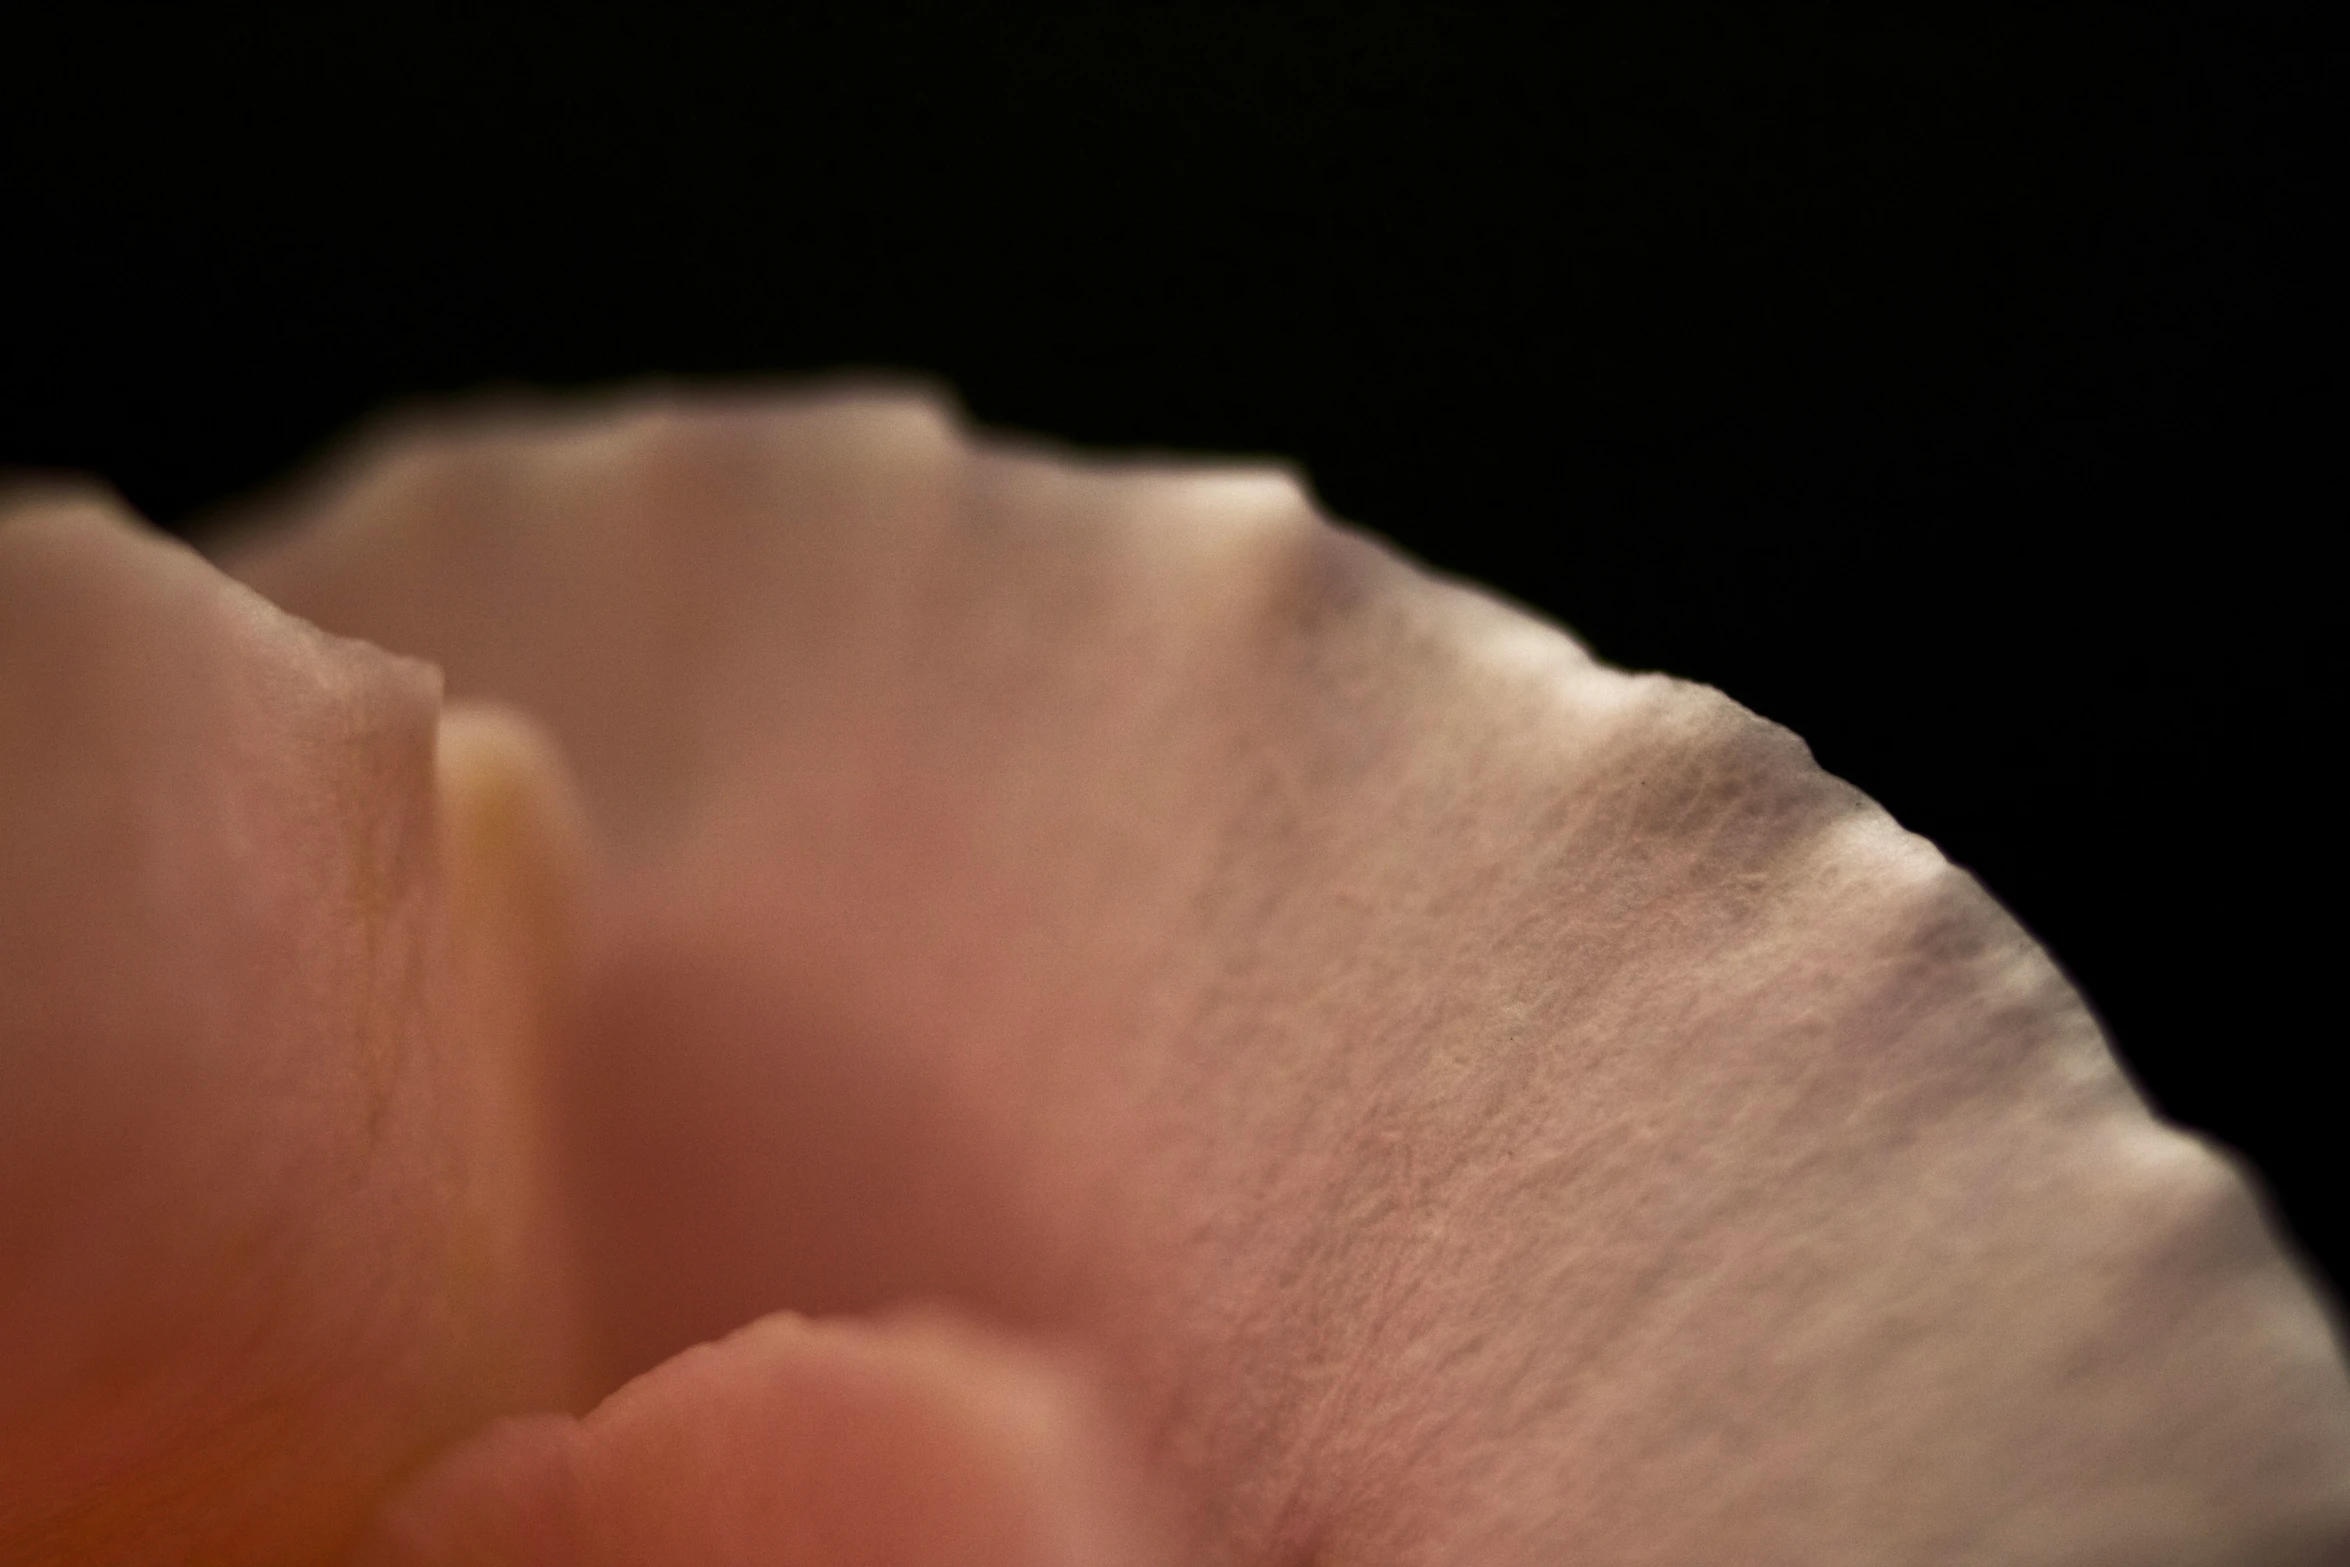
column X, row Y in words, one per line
column 1363, row 1082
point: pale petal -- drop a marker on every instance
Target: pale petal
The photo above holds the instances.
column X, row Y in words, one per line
column 1483, row 1106
column 274, row 1214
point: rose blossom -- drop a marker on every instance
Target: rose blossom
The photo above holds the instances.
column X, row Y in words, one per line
column 1031, row 1009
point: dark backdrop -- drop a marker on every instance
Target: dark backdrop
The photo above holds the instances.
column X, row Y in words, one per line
column 1955, row 389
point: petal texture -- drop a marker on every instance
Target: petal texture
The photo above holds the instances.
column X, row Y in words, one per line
column 1483, row 1106
column 276, row 945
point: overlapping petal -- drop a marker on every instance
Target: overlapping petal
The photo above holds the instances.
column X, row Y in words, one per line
column 1464, row 1103
column 1481, row 1106
column 921, row 1443
column 277, row 948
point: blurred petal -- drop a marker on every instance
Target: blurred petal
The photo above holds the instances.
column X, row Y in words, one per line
column 274, row 1214
column 1483, row 1106
column 790, row 1444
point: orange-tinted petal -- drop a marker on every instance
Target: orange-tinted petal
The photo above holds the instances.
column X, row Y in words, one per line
column 1483, row 1106
column 791, row 1444
column 276, row 946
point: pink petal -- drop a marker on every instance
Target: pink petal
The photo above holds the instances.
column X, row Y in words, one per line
column 275, row 1223
column 1482, row 1106
column 789, row 1444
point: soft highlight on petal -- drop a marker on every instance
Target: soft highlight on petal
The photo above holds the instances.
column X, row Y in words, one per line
column 1481, row 1106
column 276, row 965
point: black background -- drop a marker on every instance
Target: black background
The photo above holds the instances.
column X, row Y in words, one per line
column 1958, row 389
